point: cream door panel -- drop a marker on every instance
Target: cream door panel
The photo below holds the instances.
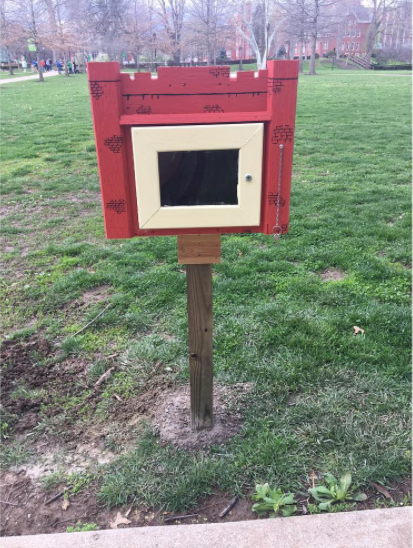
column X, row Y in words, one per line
column 147, row 142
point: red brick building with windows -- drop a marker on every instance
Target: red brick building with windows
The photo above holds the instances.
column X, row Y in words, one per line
column 352, row 37
column 354, row 33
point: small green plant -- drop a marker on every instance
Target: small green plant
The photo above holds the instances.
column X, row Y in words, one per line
column 4, row 428
column 14, row 455
column 273, row 500
column 50, row 481
column 82, row 527
column 77, row 481
column 337, row 491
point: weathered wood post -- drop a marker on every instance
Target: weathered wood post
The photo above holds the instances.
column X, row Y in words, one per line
column 198, row 253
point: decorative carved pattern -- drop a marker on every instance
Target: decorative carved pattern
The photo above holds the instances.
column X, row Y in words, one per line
column 213, row 108
column 283, row 229
column 282, row 133
column 273, row 199
column 114, row 143
column 118, row 206
column 96, row 90
column 274, row 85
column 220, row 71
column 144, row 109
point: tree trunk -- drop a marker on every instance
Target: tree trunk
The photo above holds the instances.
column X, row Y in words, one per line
column 137, row 61
column 177, row 57
column 313, row 52
column 65, row 65
column 370, row 39
column 10, row 63
column 339, row 31
column 300, row 56
column 39, row 67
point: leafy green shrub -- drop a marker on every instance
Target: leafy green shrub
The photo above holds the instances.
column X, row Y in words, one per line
column 273, row 500
column 337, row 491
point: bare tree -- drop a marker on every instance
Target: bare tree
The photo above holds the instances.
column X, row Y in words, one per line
column 261, row 28
column 138, row 28
column 104, row 21
column 30, row 16
column 380, row 11
column 171, row 15
column 297, row 24
column 208, row 25
column 10, row 33
column 63, row 34
column 322, row 17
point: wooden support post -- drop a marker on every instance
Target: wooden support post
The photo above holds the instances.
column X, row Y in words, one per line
column 199, row 293
column 198, row 253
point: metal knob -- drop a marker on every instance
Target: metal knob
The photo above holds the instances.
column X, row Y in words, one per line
column 248, row 177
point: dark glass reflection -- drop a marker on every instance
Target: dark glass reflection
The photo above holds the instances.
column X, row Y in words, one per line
column 198, row 177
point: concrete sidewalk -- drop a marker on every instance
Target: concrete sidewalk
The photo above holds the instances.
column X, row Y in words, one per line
column 25, row 78
column 384, row 528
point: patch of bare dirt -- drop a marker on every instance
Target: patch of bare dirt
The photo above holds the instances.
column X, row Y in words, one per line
column 36, row 387
column 25, row 512
column 31, row 380
column 96, row 294
column 332, row 275
column 172, row 420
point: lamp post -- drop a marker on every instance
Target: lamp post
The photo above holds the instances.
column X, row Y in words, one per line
column 154, row 50
column 240, row 58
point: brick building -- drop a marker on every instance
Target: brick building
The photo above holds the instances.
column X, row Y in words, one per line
column 351, row 39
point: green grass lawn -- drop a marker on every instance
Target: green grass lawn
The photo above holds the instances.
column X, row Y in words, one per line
column 323, row 400
column 4, row 74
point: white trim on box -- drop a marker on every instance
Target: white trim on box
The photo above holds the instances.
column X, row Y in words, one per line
column 148, row 141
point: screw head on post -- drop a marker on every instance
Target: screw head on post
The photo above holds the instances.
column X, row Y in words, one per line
column 248, row 177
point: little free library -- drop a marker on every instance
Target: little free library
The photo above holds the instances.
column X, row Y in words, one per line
column 195, row 153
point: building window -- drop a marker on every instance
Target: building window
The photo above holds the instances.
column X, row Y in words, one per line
column 348, row 32
column 358, row 45
column 325, row 45
column 342, row 46
column 347, row 46
column 358, row 32
column 352, row 46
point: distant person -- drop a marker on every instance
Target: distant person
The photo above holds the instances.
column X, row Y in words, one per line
column 24, row 65
column 48, row 65
column 35, row 67
column 42, row 64
column 74, row 67
column 70, row 66
column 59, row 66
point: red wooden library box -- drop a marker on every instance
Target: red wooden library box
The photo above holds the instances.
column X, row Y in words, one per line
column 194, row 150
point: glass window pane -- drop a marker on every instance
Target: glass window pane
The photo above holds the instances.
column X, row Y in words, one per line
column 198, row 177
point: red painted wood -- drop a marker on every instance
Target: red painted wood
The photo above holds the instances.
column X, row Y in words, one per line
column 105, row 97
column 193, row 95
column 281, row 98
column 194, row 118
